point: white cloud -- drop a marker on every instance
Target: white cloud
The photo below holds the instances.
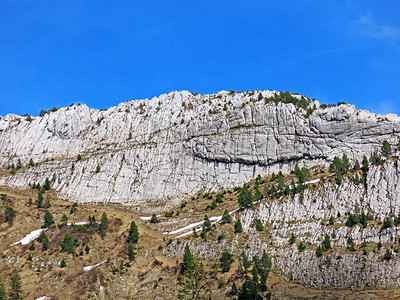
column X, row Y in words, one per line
column 370, row 28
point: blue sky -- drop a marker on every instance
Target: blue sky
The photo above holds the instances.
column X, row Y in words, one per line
column 101, row 53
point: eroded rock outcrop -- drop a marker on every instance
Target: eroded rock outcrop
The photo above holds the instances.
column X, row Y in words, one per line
column 162, row 150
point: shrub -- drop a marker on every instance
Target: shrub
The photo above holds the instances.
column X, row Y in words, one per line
column 318, row 252
column 238, row 226
column 259, row 225
column 387, row 223
column 48, row 219
column 386, row 149
column 292, row 239
column 226, row 218
column 10, row 214
column 388, row 254
column 226, row 261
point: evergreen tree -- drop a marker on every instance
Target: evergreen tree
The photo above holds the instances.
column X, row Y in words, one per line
column 238, row 226
column 387, row 223
column 153, row 218
column 103, row 225
column 207, row 223
column 73, row 208
column 245, row 197
column 40, row 199
column 133, row 236
column 69, row 244
column 246, row 263
column 301, row 247
column 131, row 251
column 193, row 283
column 203, row 233
column 44, row 240
column 63, row 264
column 365, row 164
column 10, row 214
column 46, row 185
column 386, row 149
column 363, row 219
column 48, row 219
column 15, row 292
column 292, row 239
column 31, row 164
column 258, row 195
column 233, row 290
column 339, row 177
column 226, row 261
column 388, row 254
column 327, row 242
column 188, row 260
column 346, row 163
column 226, row 218
column 319, row 251
column 259, row 225
column 3, row 294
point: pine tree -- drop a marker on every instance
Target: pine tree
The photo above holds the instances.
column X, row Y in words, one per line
column 133, row 236
column 153, row 218
column 15, row 292
column 69, row 244
column 238, row 226
column 10, row 214
column 245, row 261
column 131, row 251
column 327, row 242
column 319, row 251
column 292, row 239
column 73, row 208
column 363, row 219
column 44, row 240
column 226, row 261
column 245, row 197
column 226, row 218
column 233, row 290
column 365, row 164
column 207, row 223
column 259, row 225
column 40, row 199
column 48, row 219
column 193, row 283
column 346, row 163
column 188, row 260
column 339, row 177
column 386, row 149
column 103, row 225
column 3, row 294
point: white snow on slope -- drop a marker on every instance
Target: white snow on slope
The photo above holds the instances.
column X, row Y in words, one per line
column 30, row 237
column 88, row 268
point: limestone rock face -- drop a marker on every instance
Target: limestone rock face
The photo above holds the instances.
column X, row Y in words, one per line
column 161, row 150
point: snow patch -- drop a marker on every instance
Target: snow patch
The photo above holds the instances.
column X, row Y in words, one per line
column 88, row 268
column 30, row 237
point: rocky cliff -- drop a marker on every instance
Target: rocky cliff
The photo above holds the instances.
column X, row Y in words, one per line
column 168, row 148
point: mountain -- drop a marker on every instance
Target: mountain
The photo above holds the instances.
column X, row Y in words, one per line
column 157, row 152
column 312, row 192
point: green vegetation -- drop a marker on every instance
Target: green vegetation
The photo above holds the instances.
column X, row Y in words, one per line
column 259, row 225
column 327, row 242
column 69, row 244
column 44, row 240
column 15, row 292
column 73, row 208
column 226, row 261
column 48, row 219
column 103, row 225
column 386, row 149
column 9, row 213
column 292, row 239
column 226, row 218
column 246, row 197
column 133, row 234
column 238, row 226
column 319, row 252
column 188, row 260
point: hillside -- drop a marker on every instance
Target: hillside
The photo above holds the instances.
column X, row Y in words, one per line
column 311, row 191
